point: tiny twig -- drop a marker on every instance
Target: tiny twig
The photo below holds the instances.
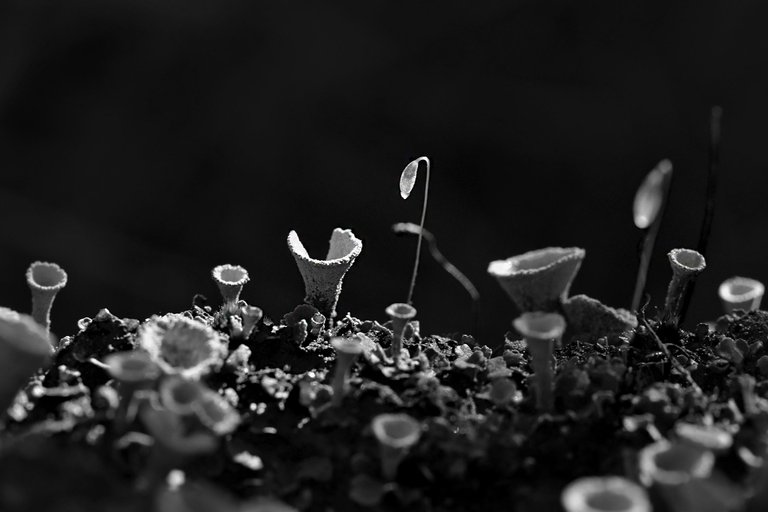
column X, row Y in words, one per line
column 413, row 229
column 715, row 119
column 678, row 366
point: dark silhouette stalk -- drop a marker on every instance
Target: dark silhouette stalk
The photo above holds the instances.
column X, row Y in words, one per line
column 715, row 119
column 413, row 229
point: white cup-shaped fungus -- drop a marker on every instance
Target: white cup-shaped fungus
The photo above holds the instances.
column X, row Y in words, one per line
column 25, row 347
column 230, row 280
column 396, row 434
column 605, row 494
column 134, row 367
column 45, row 280
column 181, row 396
column 686, row 265
column 251, row 316
column 347, row 352
column 180, row 345
column 540, row 331
column 173, row 445
column 323, row 278
column 669, row 463
column 538, row 280
column 741, row 293
column 216, row 413
column 706, row 437
column 400, row 314
column 132, row 371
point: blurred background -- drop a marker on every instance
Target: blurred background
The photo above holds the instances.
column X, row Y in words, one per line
column 144, row 142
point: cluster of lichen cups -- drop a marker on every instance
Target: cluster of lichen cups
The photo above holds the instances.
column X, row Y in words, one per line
column 159, row 384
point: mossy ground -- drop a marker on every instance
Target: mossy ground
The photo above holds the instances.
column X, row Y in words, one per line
column 484, row 446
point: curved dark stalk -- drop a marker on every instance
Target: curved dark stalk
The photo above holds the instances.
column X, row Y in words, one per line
column 410, row 228
column 715, row 119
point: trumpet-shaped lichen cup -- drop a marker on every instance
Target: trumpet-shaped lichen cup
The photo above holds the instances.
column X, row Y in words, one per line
column 540, row 331
column 180, row 345
column 741, row 293
column 347, row 352
column 686, row 265
column 604, row 494
column 538, row 280
column 45, row 281
column 396, row 434
column 677, row 472
column 400, row 314
column 323, row 278
column 230, row 280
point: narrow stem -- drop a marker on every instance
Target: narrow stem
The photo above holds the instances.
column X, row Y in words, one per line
column 340, row 383
column 541, row 362
column 418, row 243
column 676, row 292
column 715, row 119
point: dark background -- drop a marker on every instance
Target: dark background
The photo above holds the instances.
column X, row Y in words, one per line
column 144, row 142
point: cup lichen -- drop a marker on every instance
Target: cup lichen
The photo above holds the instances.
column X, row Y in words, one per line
column 604, row 494
column 400, row 314
column 323, row 278
column 396, row 434
column 686, row 265
column 538, row 280
column 741, row 293
column 541, row 330
column 181, row 345
column 230, row 280
column 45, row 281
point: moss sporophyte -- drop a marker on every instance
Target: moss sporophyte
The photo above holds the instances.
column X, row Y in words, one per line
column 581, row 407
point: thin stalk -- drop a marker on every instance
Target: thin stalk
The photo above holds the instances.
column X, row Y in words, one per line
column 421, row 224
column 413, row 229
column 715, row 119
column 649, row 241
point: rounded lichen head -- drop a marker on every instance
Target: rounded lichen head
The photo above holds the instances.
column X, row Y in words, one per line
column 181, row 345
column 396, row 430
column 706, row 437
column 669, row 463
column 741, row 293
column 323, row 278
column 397, row 434
column 216, row 413
column 538, row 280
column 605, row 494
column 132, row 367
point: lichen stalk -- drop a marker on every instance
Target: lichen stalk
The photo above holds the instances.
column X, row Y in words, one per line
column 400, row 314
column 45, row 280
column 347, row 352
column 686, row 265
column 540, row 331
